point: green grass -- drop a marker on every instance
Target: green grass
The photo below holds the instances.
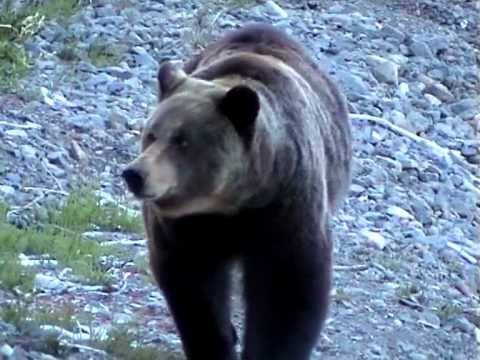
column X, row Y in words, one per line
column 24, row 318
column 238, row 3
column 81, row 212
column 59, row 10
column 15, row 314
column 16, row 25
column 406, row 291
column 101, row 53
column 230, row 4
column 60, row 237
column 69, row 51
column 27, row 320
column 341, row 296
column 391, row 263
column 448, row 311
column 121, row 344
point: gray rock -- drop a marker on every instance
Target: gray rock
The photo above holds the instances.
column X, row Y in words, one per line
column 343, row 20
column 429, row 176
column 399, row 119
column 57, row 158
column 105, row 11
column 445, row 129
column 406, row 347
column 440, row 91
column 430, row 319
column 465, row 105
column 132, row 14
column 418, row 122
column 7, row 191
column 437, row 74
column 438, row 44
column 16, row 133
column 457, row 180
column 417, row 235
column 56, row 171
column 420, row 48
column 393, row 32
column 116, row 87
column 119, row 72
column 19, row 353
column 400, row 213
column 470, row 147
column 133, row 38
column 356, row 189
column 463, row 204
column 47, row 283
column 374, row 238
column 28, row 151
column 84, row 122
column 353, row 85
column 461, row 324
column 143, row 58
column 6, row 350
column 376, row 349
column 122, row 318
column 403, row 90
column 273, row 9
column 53, row 33
column 384, row 70
column 117, row 119
column 422, row 210
column 99, row 79
column 133, row 83
column 417, row 356
column 433, row 101
column 111, row 21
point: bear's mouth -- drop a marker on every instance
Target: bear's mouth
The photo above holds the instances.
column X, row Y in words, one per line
column 168, row 198
column 154, row 196
column 166, row 201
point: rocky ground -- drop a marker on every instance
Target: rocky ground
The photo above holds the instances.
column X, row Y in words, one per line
column 407, row 280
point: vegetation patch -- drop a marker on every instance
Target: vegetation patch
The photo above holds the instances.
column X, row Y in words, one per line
column 60, row 237
column 102, row 53
column 28, row 323
column 17, row 23
column 448, row 311
column 24, row 318
column 123, row 343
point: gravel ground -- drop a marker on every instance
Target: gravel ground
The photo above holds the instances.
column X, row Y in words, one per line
column 407, row 280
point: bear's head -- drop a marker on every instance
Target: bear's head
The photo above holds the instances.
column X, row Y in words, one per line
column 195, row 147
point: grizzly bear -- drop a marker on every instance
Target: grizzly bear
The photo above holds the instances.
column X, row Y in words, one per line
column 244, row 160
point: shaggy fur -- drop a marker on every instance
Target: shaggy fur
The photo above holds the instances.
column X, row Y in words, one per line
column 277, row 168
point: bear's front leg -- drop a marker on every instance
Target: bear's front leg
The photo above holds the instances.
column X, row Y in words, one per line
column 287, row 284
column 197, row 294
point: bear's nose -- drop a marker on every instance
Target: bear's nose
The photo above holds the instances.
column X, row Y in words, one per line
column 134, row 179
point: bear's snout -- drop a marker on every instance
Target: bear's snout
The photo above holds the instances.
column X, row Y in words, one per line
column 135, row 180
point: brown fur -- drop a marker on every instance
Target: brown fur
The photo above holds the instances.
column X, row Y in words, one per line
column 237, row 54
column 270, row 161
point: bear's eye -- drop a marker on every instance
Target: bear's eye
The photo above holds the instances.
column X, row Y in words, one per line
column 151, row 138
column 179, row 141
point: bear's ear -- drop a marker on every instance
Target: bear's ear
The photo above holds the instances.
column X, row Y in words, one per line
column 241, row 106
column 169, row 77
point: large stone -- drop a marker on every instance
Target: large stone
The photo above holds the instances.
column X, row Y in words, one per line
column 384, row 70
column 420, row 48
column 440, row 91
column 418, row 122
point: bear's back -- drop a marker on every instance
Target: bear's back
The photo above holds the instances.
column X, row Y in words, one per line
column 261, row 39
column 247, row 52
column 267, row 40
